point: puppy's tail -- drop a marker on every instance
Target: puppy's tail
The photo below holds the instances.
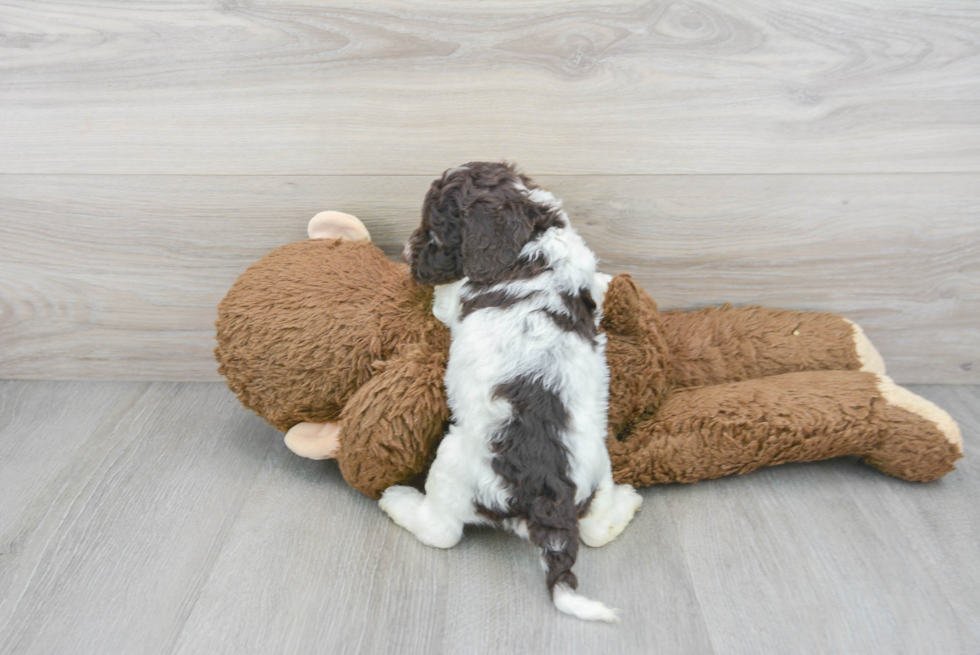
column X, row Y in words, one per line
column 558, row 541
column 569, row 602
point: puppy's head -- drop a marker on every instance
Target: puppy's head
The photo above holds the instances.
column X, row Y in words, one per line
column 475, row 220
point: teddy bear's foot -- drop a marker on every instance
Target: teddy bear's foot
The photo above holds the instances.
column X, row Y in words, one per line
column 867, row 354
column 410, row 509
column 921, row 443
column 902, row 397
column 611, row 511
column 314, row 440
column 337, row 225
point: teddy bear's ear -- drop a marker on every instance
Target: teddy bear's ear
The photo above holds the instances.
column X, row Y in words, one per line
column 314, row 440
column 337, row 225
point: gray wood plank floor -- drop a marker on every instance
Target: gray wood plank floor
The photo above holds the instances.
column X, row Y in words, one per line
column 163, row 518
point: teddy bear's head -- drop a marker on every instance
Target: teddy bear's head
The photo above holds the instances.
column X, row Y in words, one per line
column 307, row 325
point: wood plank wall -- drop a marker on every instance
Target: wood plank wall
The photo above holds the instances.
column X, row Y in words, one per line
column 819, row 156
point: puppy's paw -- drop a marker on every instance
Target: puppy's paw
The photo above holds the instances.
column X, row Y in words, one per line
column 599, row 528
column 402, row 505
column 407, row 507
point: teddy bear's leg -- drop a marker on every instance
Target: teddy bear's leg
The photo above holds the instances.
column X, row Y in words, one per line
column 611, row 510
column 708, row 432
column 911, row 449
column 726, row 344
column 314, row 440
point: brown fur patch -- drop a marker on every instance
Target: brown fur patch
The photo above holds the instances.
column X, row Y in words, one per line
column 531, row 458
column 525, row 269
column 497, row 299
column 715, row 345
column 578, row 317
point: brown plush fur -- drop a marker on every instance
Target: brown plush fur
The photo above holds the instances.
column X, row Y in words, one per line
column 737, row 427
column 306, row 327
column 328, row 330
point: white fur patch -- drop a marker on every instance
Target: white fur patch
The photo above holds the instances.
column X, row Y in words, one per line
column 569, row 602
column 611, row 511
column 445, row 301
column 494, row 346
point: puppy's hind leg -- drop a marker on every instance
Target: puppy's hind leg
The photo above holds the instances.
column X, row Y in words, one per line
column 611, row 511
column 436, row 518
column 412, row 510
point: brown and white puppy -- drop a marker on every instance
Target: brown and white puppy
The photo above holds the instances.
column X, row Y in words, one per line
column 527, row 381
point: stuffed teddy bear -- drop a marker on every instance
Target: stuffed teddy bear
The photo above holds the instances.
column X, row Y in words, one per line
column 333, row 343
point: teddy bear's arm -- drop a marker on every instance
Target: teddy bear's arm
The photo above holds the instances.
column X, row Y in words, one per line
column 390, row 428
column 636, row 352
column 725, row 344
column 708, row 432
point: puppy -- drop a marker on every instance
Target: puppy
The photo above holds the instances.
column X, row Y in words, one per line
column 527, row 380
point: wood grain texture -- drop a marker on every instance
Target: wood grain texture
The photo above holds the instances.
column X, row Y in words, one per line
column 844, row 555
column 109, row 554
column 118, row 277
column 393, row 87
column 46, row 426
column 166, row 519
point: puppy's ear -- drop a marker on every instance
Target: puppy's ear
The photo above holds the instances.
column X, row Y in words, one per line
column 435, row 265
column 493, row 236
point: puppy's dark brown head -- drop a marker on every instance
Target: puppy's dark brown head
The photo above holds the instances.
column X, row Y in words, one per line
column 475, row 220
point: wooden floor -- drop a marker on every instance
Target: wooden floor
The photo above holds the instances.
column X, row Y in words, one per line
column 163, row 518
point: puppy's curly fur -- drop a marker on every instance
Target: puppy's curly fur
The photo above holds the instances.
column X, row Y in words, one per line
column 527, row 381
